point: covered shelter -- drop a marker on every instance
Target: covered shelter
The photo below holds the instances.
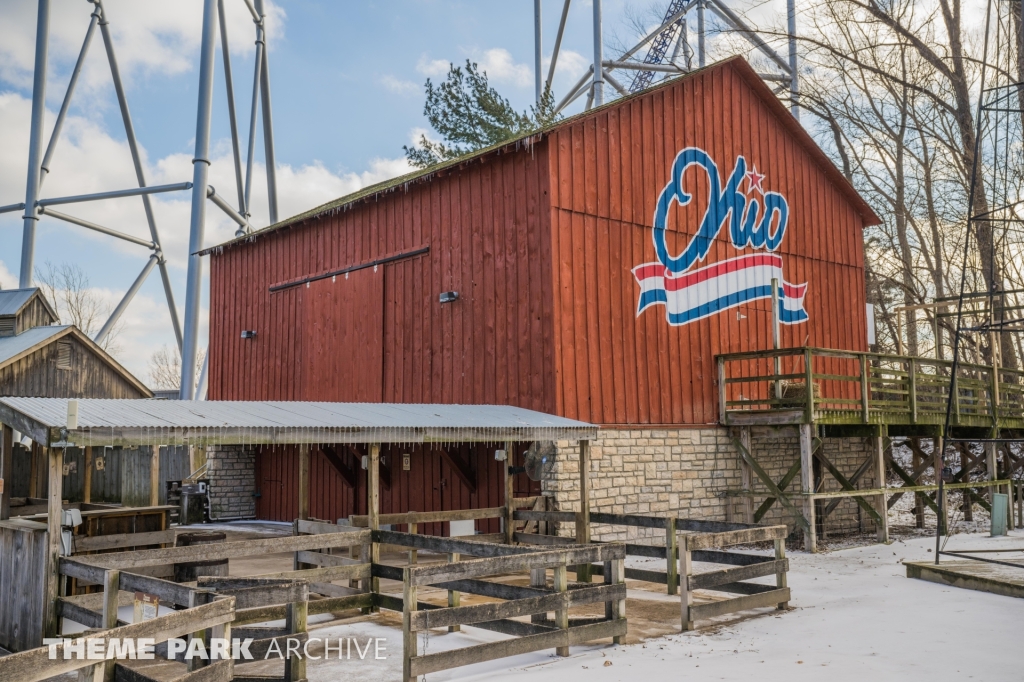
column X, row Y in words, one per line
column 131, row 423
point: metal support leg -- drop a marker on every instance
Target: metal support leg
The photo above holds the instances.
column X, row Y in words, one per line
column 701, row 25
column 598, row 91
column 538, row 50
column 35, row 147
column 268, row 126
column 200, row 175
column 126, row 299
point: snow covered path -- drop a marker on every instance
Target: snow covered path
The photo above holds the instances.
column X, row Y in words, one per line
column 856, row 616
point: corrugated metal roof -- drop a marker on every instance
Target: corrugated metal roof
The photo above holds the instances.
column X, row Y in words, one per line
column 13, row 346
column 126, row 422
column 13, row 300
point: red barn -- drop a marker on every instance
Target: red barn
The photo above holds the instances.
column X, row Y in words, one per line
column 591, row 270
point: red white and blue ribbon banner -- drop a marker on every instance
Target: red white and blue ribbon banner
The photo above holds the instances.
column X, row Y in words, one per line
column 703, row 292
column 756, row 218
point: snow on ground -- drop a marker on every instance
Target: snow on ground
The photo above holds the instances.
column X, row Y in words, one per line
column 855, row 616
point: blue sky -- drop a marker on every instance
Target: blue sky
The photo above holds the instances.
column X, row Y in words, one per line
column 347, row 85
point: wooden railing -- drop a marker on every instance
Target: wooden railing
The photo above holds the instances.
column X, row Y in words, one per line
column 686, row 541
column 771, row 387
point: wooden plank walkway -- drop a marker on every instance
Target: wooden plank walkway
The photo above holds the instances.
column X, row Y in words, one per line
column 1007, row 581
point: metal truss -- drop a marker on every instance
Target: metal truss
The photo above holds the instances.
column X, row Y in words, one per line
column 39, row 159
column 673, row 33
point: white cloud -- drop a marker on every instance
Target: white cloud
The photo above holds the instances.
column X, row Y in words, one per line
column 149, row 37
column 7, row 278
column 570, row 66
column 502, row 68
column 89, row 160
column 399, row 86
column 435, row 68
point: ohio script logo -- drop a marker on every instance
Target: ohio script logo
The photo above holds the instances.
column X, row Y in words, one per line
column 756, row 218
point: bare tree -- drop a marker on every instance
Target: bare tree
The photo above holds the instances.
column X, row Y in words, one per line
column 165, row 367
column 66, row 287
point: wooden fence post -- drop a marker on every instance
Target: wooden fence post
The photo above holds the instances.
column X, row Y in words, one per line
column 807, row 486
column 539, row 579
column 295, row 666
column 111, row 588
column 409, row 637
column 562, row 615
column 454, row 596
column 809, row 386
column 780, row 573
column 413, row 554
column 865, row 389
column 685, row 594
column 618, row 577
column 671, row 556
column 937, row 462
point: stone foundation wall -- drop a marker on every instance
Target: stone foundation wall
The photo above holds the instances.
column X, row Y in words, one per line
column 688, row 471
column 231, row 472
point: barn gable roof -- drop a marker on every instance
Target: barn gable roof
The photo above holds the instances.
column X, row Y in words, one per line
column 14, row 348
column 13, row 301
column 740, row 65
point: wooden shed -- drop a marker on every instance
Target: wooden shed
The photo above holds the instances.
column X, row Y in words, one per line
column 591, row 270
column 43, row 359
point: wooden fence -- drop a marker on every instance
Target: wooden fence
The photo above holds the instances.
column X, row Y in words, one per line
column 688, row 541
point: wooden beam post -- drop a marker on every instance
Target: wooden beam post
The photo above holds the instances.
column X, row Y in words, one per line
column 671, row 556
column 615, row 574
column 881, row 503
column 746, row 478
column 87, row 477
column 111, row 590
column 807, row 486
column 304, row 481
column 583, row 515
column 296, row 623
column 6, row 471
column 154, row 476
column 373, row 507
column 33, row 470
column 561, row 584
column 55, row 510
column 685, row 593
column 780, row 574
column 937, row 464
column 410, row 643
column 454, row 596
column 509, row 521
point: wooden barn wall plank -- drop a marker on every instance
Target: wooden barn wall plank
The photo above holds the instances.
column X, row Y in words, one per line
column 487, row 242
column 617, row 367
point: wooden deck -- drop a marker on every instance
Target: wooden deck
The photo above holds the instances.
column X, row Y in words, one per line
column 1007, row 581
column 865, row 389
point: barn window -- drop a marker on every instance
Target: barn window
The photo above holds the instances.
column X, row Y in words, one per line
column 64, row 355
column 7, row 326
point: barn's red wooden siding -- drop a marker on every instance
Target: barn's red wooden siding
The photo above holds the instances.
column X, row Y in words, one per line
column 607, row 170
column 380, row 334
